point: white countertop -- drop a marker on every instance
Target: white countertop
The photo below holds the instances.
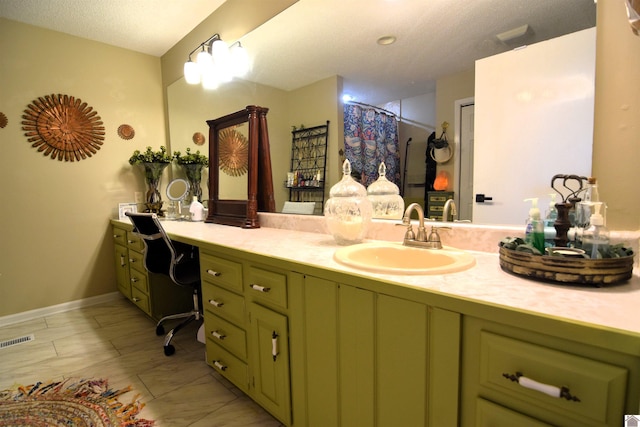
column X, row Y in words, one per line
column 612, row 307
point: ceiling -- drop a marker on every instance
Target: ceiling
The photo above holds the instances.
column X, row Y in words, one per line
column 316, row 39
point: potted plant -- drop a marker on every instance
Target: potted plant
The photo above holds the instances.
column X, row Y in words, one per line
column 153, row 164
column 192, row 163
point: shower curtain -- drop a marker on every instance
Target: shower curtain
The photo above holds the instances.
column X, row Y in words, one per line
column 370, row 138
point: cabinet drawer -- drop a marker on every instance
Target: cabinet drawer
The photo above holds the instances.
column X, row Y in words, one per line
column 229, row 366
column 267, row 286
column 226, row 334
column 220, row 271
column 223, row 303
column 139, row 280
column 134, row 241
column 120, row 236
column 136, row 261
column 141, row 300
column 489, row 414
column 600, row 387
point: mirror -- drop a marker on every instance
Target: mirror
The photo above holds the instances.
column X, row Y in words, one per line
column 240, row 179
column 448, row 43
column 177, row 191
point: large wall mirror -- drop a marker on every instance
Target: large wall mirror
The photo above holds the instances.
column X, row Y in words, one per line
column 274, row 62
column 240, row 177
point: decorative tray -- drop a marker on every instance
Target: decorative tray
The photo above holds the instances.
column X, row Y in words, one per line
column 569, row 270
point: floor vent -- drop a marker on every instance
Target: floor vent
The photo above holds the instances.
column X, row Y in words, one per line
column 16, row 341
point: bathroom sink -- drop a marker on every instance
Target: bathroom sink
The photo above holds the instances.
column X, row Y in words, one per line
column 395, row 258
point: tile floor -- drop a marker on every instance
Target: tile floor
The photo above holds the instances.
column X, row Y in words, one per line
column 117, row 341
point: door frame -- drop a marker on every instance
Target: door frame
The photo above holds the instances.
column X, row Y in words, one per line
column 458, row 104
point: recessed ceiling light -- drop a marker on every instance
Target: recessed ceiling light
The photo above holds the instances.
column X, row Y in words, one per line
column 385, row 40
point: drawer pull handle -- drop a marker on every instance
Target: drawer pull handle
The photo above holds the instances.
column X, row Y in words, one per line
column 134, row 279
column 132, row 260
column 259, row 288
column 122, row 261
column 274, row 345
column 131, row 241
column 213, row 273
column 553, row 391
column 219, row 365
column 218, row 335
column 134, row 299
column 216, row 303
column 115, row 236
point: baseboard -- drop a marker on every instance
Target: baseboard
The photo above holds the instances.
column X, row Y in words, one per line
column 59, row 308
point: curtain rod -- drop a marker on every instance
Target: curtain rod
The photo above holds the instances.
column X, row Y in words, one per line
column 382, row 110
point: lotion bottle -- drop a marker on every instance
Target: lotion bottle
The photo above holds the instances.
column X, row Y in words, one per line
column 534, row 232
column 595, row 239
column 196, row 209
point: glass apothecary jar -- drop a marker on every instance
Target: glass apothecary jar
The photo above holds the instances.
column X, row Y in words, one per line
column 348, row 210
column 385, row 197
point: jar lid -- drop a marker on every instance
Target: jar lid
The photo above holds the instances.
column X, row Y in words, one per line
column 347, row 187
column 382, row 186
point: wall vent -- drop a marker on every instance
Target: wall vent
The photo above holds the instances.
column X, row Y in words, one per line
column 16, row 341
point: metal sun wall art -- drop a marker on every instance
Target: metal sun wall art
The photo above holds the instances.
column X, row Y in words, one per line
column 63, row 127
column 233, row 152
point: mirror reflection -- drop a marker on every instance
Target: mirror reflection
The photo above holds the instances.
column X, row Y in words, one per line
column 417, row 109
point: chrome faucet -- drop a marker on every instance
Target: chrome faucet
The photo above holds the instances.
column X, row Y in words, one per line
column 419, row 240
column 449, row 205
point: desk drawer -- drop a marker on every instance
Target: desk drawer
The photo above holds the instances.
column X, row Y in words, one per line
column 223, row 303
column 226, row 334
column 489, row 414
column 136, row 261
column 600, row 387
column 220, row 271
column 267, row 286
column 134, row 241
column 229, row 366
column 141, row 300
column 139, row 280
column 120, row 236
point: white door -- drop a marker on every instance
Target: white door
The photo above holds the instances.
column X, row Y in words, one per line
column 533, row 120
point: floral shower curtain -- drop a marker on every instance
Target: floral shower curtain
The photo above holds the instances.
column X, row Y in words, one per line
column 370, row 138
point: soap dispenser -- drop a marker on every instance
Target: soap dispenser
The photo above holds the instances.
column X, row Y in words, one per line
column 595, row 239
column 196, row 209
column 534, row 232
column 385, row 196
column 348, row 210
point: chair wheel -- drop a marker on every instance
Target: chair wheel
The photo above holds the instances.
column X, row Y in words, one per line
column 169, row 350
column 159, row 330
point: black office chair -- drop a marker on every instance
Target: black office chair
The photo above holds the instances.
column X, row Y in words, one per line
column 177, row 260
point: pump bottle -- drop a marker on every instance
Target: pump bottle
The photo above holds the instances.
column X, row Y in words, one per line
column 534, row 232
column 196, row 210
column 595, row 239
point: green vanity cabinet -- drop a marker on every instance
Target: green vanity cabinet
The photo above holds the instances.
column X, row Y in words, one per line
column 122, row 270
column 366, row 358
column 597, row 380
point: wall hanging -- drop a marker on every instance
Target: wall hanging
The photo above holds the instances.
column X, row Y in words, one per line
column 234, row 152
column 63, row 127
column 126, row 132
column 3, row 120
column 198, row 138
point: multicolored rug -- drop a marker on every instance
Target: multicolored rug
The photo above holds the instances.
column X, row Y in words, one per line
column 77, row 403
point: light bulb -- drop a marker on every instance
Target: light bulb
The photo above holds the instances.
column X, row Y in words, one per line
column 205, row 62
column 239, row 60
column 191, row 72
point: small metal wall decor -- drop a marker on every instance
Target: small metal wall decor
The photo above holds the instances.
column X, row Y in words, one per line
column 63, row 127
column 3, row 120
column 198, row 138
column 126, row 132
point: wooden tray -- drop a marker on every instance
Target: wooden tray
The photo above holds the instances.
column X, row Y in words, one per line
column 596, row 272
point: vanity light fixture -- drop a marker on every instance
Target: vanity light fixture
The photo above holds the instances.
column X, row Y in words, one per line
column 216, row 63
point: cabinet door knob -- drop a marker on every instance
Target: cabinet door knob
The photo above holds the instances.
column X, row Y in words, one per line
column 216, row 303
column 551, row 390
column 213, row 273
column 259, row 288
column 219, row 365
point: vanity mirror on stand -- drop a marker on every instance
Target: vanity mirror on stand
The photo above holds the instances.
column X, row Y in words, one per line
column 240, row 178
column 177, row 192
